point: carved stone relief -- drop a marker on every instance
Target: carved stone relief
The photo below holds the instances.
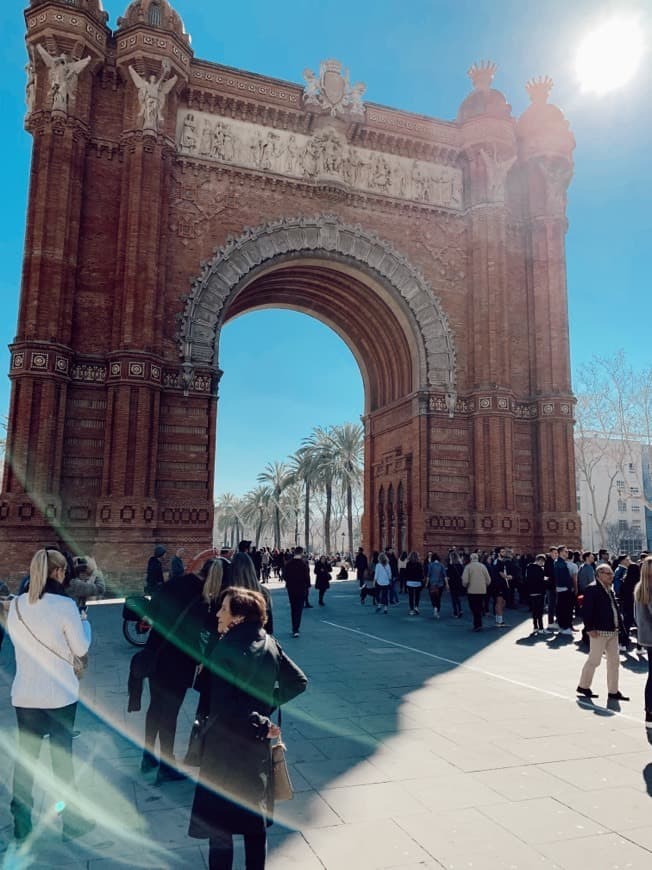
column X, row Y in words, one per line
column 323, row 158
column 210, row 291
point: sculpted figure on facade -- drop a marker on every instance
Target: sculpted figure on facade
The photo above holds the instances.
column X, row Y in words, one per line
column 325, row 154
column 332, row 91
column 496, row 171
column 30, row 87
column 189, row 133
column 557, row 174
column 62, row 74
column 152, row 95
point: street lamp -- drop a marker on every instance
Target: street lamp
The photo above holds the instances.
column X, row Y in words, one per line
column 342, row 550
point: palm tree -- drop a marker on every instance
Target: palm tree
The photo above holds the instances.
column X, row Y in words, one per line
column 228, row 507
column 255, row 509
column 305, row 468
column 277, row 475
column 347, row 447
column 320, row 444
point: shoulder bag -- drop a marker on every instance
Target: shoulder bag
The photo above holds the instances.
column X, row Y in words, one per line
column 79, row 663
column 282, row 787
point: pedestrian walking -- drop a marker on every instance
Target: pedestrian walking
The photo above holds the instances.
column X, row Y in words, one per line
column 454, row 573
column 603, row 622
column 383, row 578
column 643, row 615
column 297, row 582
column 48, row 634
column 177, row 568
column 361, row 566
column 323, row 571
column 566, row 590
column 436, row 581
column 414, row 581
column 535, row 581
column 154, row 578
column 250, row 677
column 476, row 580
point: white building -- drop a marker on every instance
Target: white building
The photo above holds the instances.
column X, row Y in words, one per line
column 614, row 484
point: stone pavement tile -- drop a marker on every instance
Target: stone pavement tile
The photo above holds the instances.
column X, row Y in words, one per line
column 367, row 802
column 593, row 774
column 617, row 809
column 322, row 774
column 348, row 747
column 480, row 756
column 316, row 729
column 452, row 791
column 641, row 836
column 365, row 846
column 522, row 783
column 441, row 713
column 288, row 850
column 306, row 809
column 605, row 742
column 636, row 760
column 537, row 750
column 190, row 856
column 299, row 782
column 607, row 851
column 302, row 750
column 543, row 820
column 388, row 723
column 399, row 764
column 468, row 839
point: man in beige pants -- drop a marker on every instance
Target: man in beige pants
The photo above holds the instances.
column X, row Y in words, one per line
column 601, row 621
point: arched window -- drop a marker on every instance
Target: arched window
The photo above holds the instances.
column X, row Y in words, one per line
column 154, row 14
column 381, row 518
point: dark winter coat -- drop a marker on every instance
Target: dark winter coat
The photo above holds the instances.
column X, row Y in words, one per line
column 154, row 578
column 597, row 610
column 296, row 574
column 361, row 565
column 175, row 638
column 234, row 792
column 535, row 580
column 322, row 575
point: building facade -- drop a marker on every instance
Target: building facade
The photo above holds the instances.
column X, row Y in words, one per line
column 169, row 194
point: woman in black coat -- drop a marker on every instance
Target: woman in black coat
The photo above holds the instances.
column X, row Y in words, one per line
column 250, row 677
column 322, row 577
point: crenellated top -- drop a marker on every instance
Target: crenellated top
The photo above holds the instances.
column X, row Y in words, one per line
column 93, row 7
column 484, row 101
column 154, row 13
column 542, row 129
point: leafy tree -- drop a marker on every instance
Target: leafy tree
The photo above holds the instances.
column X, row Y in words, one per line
column 277, row 475
column 256, row 510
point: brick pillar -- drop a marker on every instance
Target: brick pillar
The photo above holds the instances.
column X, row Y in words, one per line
column 546, row 145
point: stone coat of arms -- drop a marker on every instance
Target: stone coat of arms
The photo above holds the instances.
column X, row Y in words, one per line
column 332, row 91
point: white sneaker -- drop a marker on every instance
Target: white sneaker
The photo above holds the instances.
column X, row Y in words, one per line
column 412, row 613
column 416, row 611
column 436, row 614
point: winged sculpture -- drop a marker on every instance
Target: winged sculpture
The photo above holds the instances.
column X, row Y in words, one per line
column 152, row 94
column 63, row 73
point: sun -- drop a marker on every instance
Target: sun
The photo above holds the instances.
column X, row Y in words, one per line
column 609, row 56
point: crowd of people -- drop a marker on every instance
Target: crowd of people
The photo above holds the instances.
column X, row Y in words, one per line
column 212, row 628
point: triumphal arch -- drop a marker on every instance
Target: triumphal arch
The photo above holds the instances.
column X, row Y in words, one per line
column 169, row 194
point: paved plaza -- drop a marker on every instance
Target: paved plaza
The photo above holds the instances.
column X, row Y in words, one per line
column 418, row 744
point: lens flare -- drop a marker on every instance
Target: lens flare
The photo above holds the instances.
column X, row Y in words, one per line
column 610, row 55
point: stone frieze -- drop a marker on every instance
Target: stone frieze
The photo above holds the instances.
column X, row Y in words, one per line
column 325, row 157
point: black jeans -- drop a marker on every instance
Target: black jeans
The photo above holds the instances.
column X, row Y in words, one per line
column 414, row 594
column 565, row 602
column 552, row 605
column 33, row 725
column 476, row 603
column 161, row 718
column 648, row 685
column 220, row 851
column 536, row 603
column 296, row 611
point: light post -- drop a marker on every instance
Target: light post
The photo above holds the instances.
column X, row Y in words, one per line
column 591, row 521
column 342, row 550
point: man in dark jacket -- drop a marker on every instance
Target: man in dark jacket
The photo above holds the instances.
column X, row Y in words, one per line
column 602, row 621
column 361, row 565
column 535, row 582
column 177, row 616
column 566, row 591
column 154, row 577
column 297, row 582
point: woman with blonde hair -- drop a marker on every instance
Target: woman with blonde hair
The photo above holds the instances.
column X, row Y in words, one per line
column 48, row 634
column 243, row 576
column 643, row 616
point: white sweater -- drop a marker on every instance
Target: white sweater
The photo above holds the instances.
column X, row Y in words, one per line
column 43, row 681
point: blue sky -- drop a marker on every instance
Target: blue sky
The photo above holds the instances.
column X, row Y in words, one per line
column 412, row 55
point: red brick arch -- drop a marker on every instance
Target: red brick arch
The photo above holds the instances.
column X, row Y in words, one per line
column 350, row 279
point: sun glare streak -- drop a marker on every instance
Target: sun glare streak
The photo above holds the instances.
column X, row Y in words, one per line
column 610, row 55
